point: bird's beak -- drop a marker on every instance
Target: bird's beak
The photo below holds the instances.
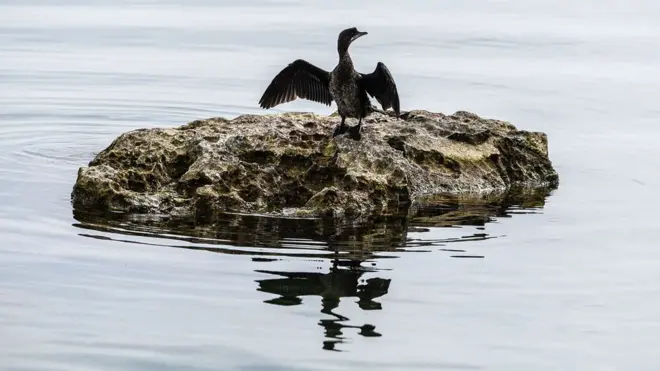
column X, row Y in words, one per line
column 359, row 35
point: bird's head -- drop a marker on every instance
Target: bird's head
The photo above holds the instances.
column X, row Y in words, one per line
column 347, row 36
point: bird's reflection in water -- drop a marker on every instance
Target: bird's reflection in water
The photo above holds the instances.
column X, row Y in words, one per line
column 340, row 282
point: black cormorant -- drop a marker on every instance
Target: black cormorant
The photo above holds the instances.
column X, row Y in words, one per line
column 347, row 87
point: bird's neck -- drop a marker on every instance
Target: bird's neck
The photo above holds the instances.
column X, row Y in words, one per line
column 342, row 49
column 345, row 57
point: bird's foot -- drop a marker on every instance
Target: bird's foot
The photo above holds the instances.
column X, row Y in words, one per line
column 375, row 109
column 340, row 129
column 355, row 132
column 378, row 110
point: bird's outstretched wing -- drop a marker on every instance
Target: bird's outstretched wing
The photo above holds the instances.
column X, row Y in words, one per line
column 300, row 79
column 380, row 85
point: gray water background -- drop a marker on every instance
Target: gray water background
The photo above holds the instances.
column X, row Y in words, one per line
column 574, row 285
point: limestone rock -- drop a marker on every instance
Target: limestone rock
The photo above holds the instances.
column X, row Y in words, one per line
column 289, row 164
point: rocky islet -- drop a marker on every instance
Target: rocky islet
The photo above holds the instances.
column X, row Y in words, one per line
column 290, row 164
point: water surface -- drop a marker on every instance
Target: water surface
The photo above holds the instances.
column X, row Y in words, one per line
column 564, row 281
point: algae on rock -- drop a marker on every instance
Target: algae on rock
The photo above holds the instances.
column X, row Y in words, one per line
column 290, row 164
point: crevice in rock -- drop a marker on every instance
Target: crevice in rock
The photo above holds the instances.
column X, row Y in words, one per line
column 397, row 143
column 179, row 166
column 260, row 157
column 475, row 138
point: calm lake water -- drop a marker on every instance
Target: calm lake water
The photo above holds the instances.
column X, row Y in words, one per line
column 568, row 282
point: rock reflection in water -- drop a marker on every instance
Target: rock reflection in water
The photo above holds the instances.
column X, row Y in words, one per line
column 270, row 236
column 339, row 283
column 347, row 245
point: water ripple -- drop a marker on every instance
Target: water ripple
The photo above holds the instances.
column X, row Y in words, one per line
column 83, row 289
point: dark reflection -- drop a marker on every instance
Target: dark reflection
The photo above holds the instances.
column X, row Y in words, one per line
column 349, row 245
column 339, row 283
column 314, row 237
